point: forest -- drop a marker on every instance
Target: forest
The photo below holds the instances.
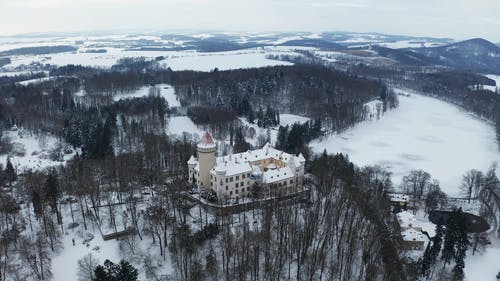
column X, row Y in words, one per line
column 127, row 176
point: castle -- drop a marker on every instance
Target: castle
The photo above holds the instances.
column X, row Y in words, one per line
column 233, row 176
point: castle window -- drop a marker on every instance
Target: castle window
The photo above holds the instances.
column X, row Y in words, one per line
column 227, row 187
column 243, row 176
column 242, row 183
column 230, row 193
column 236, row 184
column 226, row 180
column 291, row 181
column 231, row 179
column 237, row 177
column 236, row 191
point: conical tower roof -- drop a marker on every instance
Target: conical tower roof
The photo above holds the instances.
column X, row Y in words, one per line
column 206, row 141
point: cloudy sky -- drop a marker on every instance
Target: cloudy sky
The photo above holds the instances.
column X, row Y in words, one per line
column 459, row 19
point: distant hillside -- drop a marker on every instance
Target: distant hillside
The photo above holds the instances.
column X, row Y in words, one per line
column 474, row 54
column 4, row 61
column 404, row 56
column 317, row 43
column 41, row 50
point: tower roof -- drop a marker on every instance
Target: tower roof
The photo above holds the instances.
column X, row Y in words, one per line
column 206, row 140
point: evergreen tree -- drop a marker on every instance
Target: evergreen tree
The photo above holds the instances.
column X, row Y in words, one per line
column 462, row 244
column 52, row 192
column 123, row 271
column 10, row 173
column 437, row 240
column 448, row 252
column 427, row 261
column 126, row 272
column 281, row 141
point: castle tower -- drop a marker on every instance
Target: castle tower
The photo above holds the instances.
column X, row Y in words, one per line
column 206, row 157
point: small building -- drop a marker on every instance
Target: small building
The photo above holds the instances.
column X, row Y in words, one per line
column 233, row 176
column 399, row 201
column 412, row 237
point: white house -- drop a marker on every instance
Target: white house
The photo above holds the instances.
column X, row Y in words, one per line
column 233, row 176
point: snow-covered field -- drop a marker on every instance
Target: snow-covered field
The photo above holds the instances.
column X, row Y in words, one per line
column 422, row 133
column 223, row 61
column 177, row 125
column 177, row 60
column 290, row 119
column 166, row 91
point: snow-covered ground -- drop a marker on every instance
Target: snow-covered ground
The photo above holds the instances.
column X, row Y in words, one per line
column 290, row 119
column 223, row 61
column 422, row 133
column 36, row 151
column 65, row 265
column 177, row 125
column 483, row 266
column 166, row 91
column 177, row 60
column 497, row 81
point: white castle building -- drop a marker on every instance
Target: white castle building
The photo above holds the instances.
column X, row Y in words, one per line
column 233, row 176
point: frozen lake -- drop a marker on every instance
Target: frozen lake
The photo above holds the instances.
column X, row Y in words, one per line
column 422, row 133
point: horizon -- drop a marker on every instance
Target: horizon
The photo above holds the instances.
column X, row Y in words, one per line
column 456, row 19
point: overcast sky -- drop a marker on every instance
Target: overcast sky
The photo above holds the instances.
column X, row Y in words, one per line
column 459, row 19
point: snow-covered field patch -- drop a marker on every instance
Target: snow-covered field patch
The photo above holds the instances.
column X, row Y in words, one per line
column 65, row 265
column 222, row 61
column 32, row 151
column 422, row 133
column 166, row 91
column 290, row 119
column 497, row 81
column 178, row 125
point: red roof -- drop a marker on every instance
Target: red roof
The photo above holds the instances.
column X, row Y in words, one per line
column 206, row 139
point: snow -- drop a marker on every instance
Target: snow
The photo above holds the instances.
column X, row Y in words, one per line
column 36, row 151
column 497, row 81
column 290, row 119
column 65, row 265
column 177, row 125
column 40, row 80
column 483, row 266
column 166, row 91
column 222, row 61
column 409, row 44
column 422, row 133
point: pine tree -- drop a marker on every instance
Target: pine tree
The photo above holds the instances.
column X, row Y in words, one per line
column 450, row 238
column 52, row 192
column 281, row 140
column 126, row 272
column 462, row 244
column 123, row 271
column 10, row 173
column 427, row 261
column 437, row 240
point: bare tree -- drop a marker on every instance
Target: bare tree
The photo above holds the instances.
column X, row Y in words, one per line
column 471, row 183
column 86, row 267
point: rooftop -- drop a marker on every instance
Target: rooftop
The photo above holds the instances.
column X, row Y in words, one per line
column 206, row 141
